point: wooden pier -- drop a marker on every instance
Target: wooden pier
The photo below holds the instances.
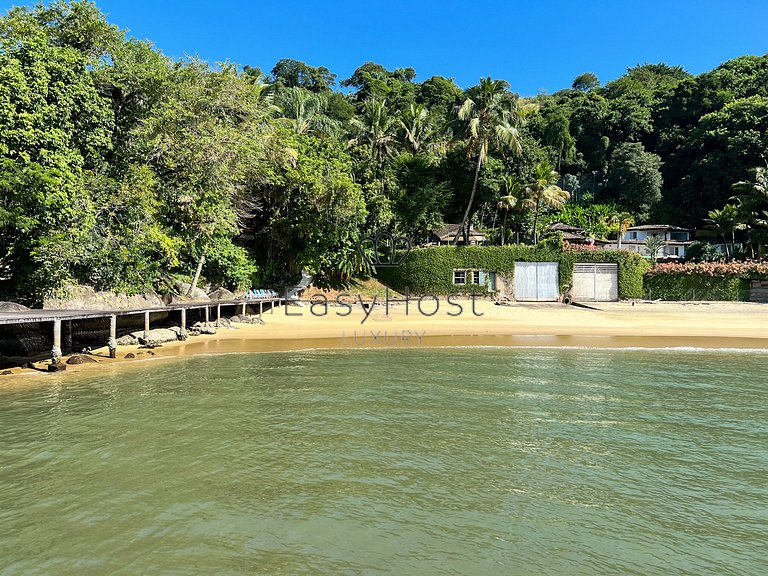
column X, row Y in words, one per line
column 56, row 317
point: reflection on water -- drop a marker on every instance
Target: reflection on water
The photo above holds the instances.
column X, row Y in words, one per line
column 429, row 461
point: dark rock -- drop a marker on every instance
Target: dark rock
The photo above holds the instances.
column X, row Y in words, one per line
column 57, row 367
column 6, row 373
column 130, row 355
column 80, row 359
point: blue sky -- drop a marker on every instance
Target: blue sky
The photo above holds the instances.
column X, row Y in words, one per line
column 535, row 45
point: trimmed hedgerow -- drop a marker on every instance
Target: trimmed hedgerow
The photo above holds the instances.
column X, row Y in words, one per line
column 430, row 270
column 631, row 267
column 696, row 287
column 704, row 280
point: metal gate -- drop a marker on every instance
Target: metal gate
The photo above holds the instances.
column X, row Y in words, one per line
column 537, row 282
column 595, row 283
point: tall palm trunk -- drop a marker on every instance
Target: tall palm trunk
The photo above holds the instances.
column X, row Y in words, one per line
column 197, row 275
column 464, row 226
column 536, row 223
column 504, row 227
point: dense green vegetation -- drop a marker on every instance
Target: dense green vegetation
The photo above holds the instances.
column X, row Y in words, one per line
column 123, row 169
column 430, row 270
column 704, row 280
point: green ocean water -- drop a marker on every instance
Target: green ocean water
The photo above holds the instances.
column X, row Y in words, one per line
column 419, row 461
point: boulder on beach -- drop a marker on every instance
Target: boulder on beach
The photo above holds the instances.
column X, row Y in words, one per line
column 81, row 359
column 158, row 336
column 243, row 319
column 130, row 355
column 201, row 328
column 221, row 294
column 127, row 340
column 86, row 298
column 12, row 307
column 182, row 288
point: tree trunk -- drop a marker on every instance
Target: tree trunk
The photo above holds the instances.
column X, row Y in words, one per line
column 504, row 227
column 465, row 220
column 618, row 238
column 725, row 241
column 535, row 224
column 197, row 275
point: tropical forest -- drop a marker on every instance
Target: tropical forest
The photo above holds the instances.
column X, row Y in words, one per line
column 123, row 169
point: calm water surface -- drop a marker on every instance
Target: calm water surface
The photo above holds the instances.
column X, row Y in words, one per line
column 430, row 461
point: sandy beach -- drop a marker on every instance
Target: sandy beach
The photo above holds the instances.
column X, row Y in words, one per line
column 608, row 325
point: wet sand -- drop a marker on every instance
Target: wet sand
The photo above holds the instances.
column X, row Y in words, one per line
column 609, row 325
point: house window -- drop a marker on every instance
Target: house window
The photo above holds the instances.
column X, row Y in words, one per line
column 460, row 277
column 679, row 236
column 475, row 276
column 633, row 235
column 674, row 251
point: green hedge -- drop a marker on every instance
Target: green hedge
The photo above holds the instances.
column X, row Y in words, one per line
column 430, row 270
column 632, row 267
column 696, row 287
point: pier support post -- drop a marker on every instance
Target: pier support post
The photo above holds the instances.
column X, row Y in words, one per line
column 183, row 330
column 243, row 308
column 146, row 326
column 56, row 363
column 207, row 316
column 218, row 315
column 112, row 343
column 261, row 304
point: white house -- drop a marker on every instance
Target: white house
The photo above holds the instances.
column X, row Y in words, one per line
column 676, row 240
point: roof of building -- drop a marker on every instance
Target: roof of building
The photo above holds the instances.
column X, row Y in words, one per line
column 660, row 227
column 642, row 242
column 564, row 227
column 448, row 232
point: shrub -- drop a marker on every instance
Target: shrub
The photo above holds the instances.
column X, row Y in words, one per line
column 430, row 270
column 704, row 280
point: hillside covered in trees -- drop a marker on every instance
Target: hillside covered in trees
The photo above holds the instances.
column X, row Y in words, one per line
column 123, row 169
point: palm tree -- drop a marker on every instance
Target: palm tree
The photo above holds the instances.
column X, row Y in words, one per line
column 543, row 192
column 304, row 112
column 491, row 116
column 624, row 220
column 510, row 201
column 653, row 244
column 724, row 223
column 418, row 131
column 377, row 128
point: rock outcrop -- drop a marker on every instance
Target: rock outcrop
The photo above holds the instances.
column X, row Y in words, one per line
column 242, row 319
column 86, row 298
column 80, row 359
column 198, row 294
column 221, row 294
column 12, row 307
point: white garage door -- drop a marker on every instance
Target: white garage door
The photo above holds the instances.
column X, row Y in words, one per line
column 537, row 282
column 595, row 283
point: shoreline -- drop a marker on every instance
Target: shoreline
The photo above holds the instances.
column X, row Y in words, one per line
column 622, row 325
